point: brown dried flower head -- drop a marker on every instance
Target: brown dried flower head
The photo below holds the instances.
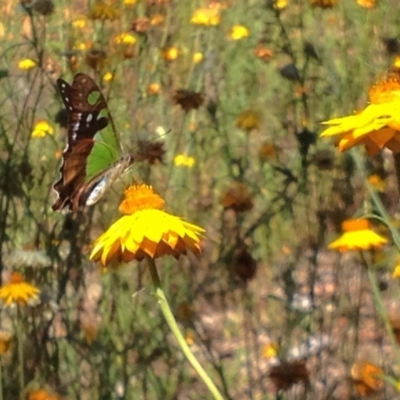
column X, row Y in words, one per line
column 95, row 59
column 237, row 198
column 244, row 265
column 287, row 374
column 151, row 151
column 188, row 99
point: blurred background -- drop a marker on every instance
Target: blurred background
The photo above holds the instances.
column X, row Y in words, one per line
column 222, row 103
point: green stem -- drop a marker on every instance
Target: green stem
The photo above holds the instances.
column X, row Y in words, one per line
column 166, row 310
column 383, row 313
column 20, row 345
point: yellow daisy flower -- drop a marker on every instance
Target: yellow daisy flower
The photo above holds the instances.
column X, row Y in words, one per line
column 357, row 236
column 145, row 230
column 239, row 32
column 80, row 22
column 366, row 3
column 129, row 2
column 18, row 291
column 41, row 129
column 377, row 126
column 26, row 64
column 206, row 17
column 108, row 76
column 125, row 38
column 396, row 272
column 280, row 4
column 171, row 53
column 198, row 57
column 182, row 160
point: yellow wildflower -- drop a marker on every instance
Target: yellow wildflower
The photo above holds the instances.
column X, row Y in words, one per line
column 280, row 4
column 157, row 19
column 357, row 236
column 41, row 129
column 108, row 76
column 396, row 272
column 26, row 64
column 145, row 230
column 206, row 17
column 182, row 160
column 18, row 291
column 366, row 3
column 154, row 88
column 171, row 53
column 396, row 62
column 239, row 32
column 125, row 38
column 377, row 126
column 80, row 23
column 270, row 350
column 198, row 58
column 129, row 2
column 377, row 182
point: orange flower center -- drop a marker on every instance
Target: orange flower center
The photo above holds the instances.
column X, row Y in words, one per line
column 16, row 278
column 385, row 91
column 351, row 225
column 140, row 197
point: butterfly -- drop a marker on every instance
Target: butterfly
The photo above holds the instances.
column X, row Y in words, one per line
column 93, row 158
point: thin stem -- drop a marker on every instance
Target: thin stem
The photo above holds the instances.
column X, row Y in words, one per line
column 166, row 310
column 20, row 346
column 396, row 158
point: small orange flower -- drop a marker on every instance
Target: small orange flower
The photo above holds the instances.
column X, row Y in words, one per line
column 42, row 394
column 366, row 3
column 377, row 182
column 145, row 230
column 357, row 236
column 367, row 378
column 157, row 19
column 18, row 291
column 154, row 88
column 171, row 53
column 5, row 341
column 263, row 53
column 377, row 126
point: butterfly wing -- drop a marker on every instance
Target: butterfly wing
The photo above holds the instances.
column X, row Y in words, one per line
column 92, row 143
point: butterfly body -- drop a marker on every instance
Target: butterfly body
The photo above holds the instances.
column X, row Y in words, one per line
column 92, row 159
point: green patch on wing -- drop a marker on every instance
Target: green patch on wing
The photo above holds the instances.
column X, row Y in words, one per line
column 105, row 152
